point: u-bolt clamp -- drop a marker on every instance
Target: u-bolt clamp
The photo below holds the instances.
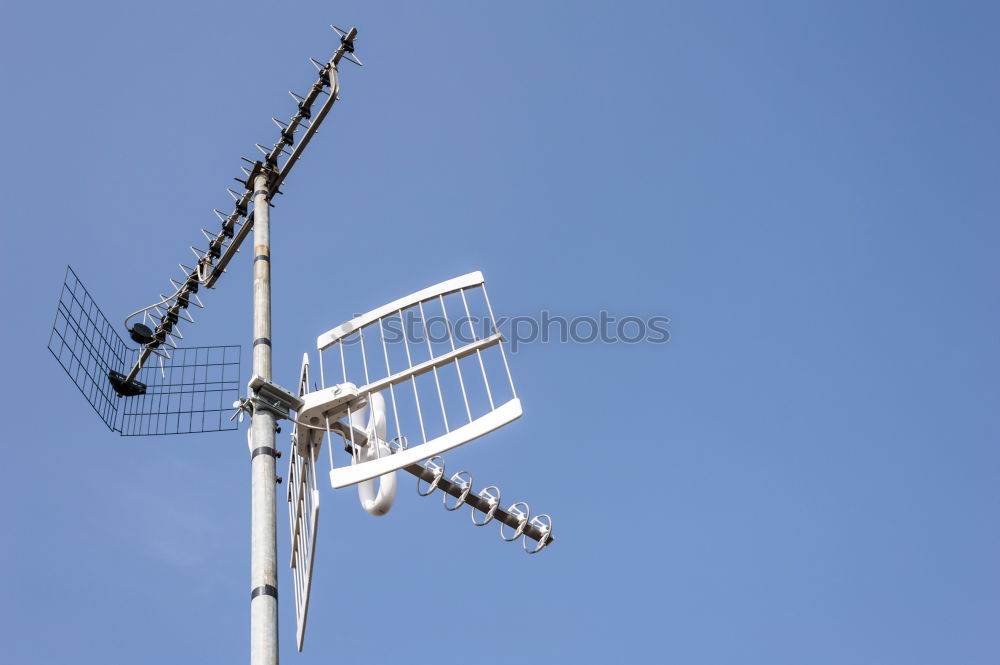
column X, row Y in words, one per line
column 241, row 405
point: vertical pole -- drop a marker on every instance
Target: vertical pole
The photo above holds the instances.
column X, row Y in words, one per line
column 263, row 545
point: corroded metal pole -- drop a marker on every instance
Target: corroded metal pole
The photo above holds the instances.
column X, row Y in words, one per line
column 263, row 554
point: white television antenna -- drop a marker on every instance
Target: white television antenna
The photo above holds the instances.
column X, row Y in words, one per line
column 396, row 404
column 390, row 375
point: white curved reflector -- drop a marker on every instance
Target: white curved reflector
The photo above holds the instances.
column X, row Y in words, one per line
column 437, row 358
column 333, row 335
column 349, row 475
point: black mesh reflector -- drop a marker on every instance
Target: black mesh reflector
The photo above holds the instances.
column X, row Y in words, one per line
column 191, row 391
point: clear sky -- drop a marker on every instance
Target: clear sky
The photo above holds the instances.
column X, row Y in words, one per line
column 806, row 473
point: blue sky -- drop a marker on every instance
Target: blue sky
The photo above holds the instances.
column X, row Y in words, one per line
column 806, row 472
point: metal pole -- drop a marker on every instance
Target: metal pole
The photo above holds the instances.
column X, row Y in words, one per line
column 263, row 545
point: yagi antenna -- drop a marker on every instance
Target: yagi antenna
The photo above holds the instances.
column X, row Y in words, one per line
column 398, row 386
column 211, row 262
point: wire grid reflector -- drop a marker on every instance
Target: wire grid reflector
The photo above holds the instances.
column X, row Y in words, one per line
column 189, row 390
column 303, row 513
column 437, row 358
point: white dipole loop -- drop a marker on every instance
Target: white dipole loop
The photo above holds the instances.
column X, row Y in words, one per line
column 491, row 495
column 522, row 519
column 544, row 524
column 372, row 418
column 464, row 480
column 436, row 466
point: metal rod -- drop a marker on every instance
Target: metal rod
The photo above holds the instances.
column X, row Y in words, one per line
column 458, row 365
column 454, row 489
column 475, row 501
column 143, row 357
column 263, row 542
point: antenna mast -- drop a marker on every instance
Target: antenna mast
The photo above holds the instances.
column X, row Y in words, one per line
column 262, row 182
column 263, row 529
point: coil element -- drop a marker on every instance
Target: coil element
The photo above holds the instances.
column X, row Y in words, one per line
column 535, row 532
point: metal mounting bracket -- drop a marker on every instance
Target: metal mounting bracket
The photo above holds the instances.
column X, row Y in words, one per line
column 265, row 168
column 271, row 396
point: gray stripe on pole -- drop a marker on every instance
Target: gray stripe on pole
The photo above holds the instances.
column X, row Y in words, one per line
column 263, row 450
column 261, row 257
column 262, row 340
column 261, row 191
column 265, row 590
